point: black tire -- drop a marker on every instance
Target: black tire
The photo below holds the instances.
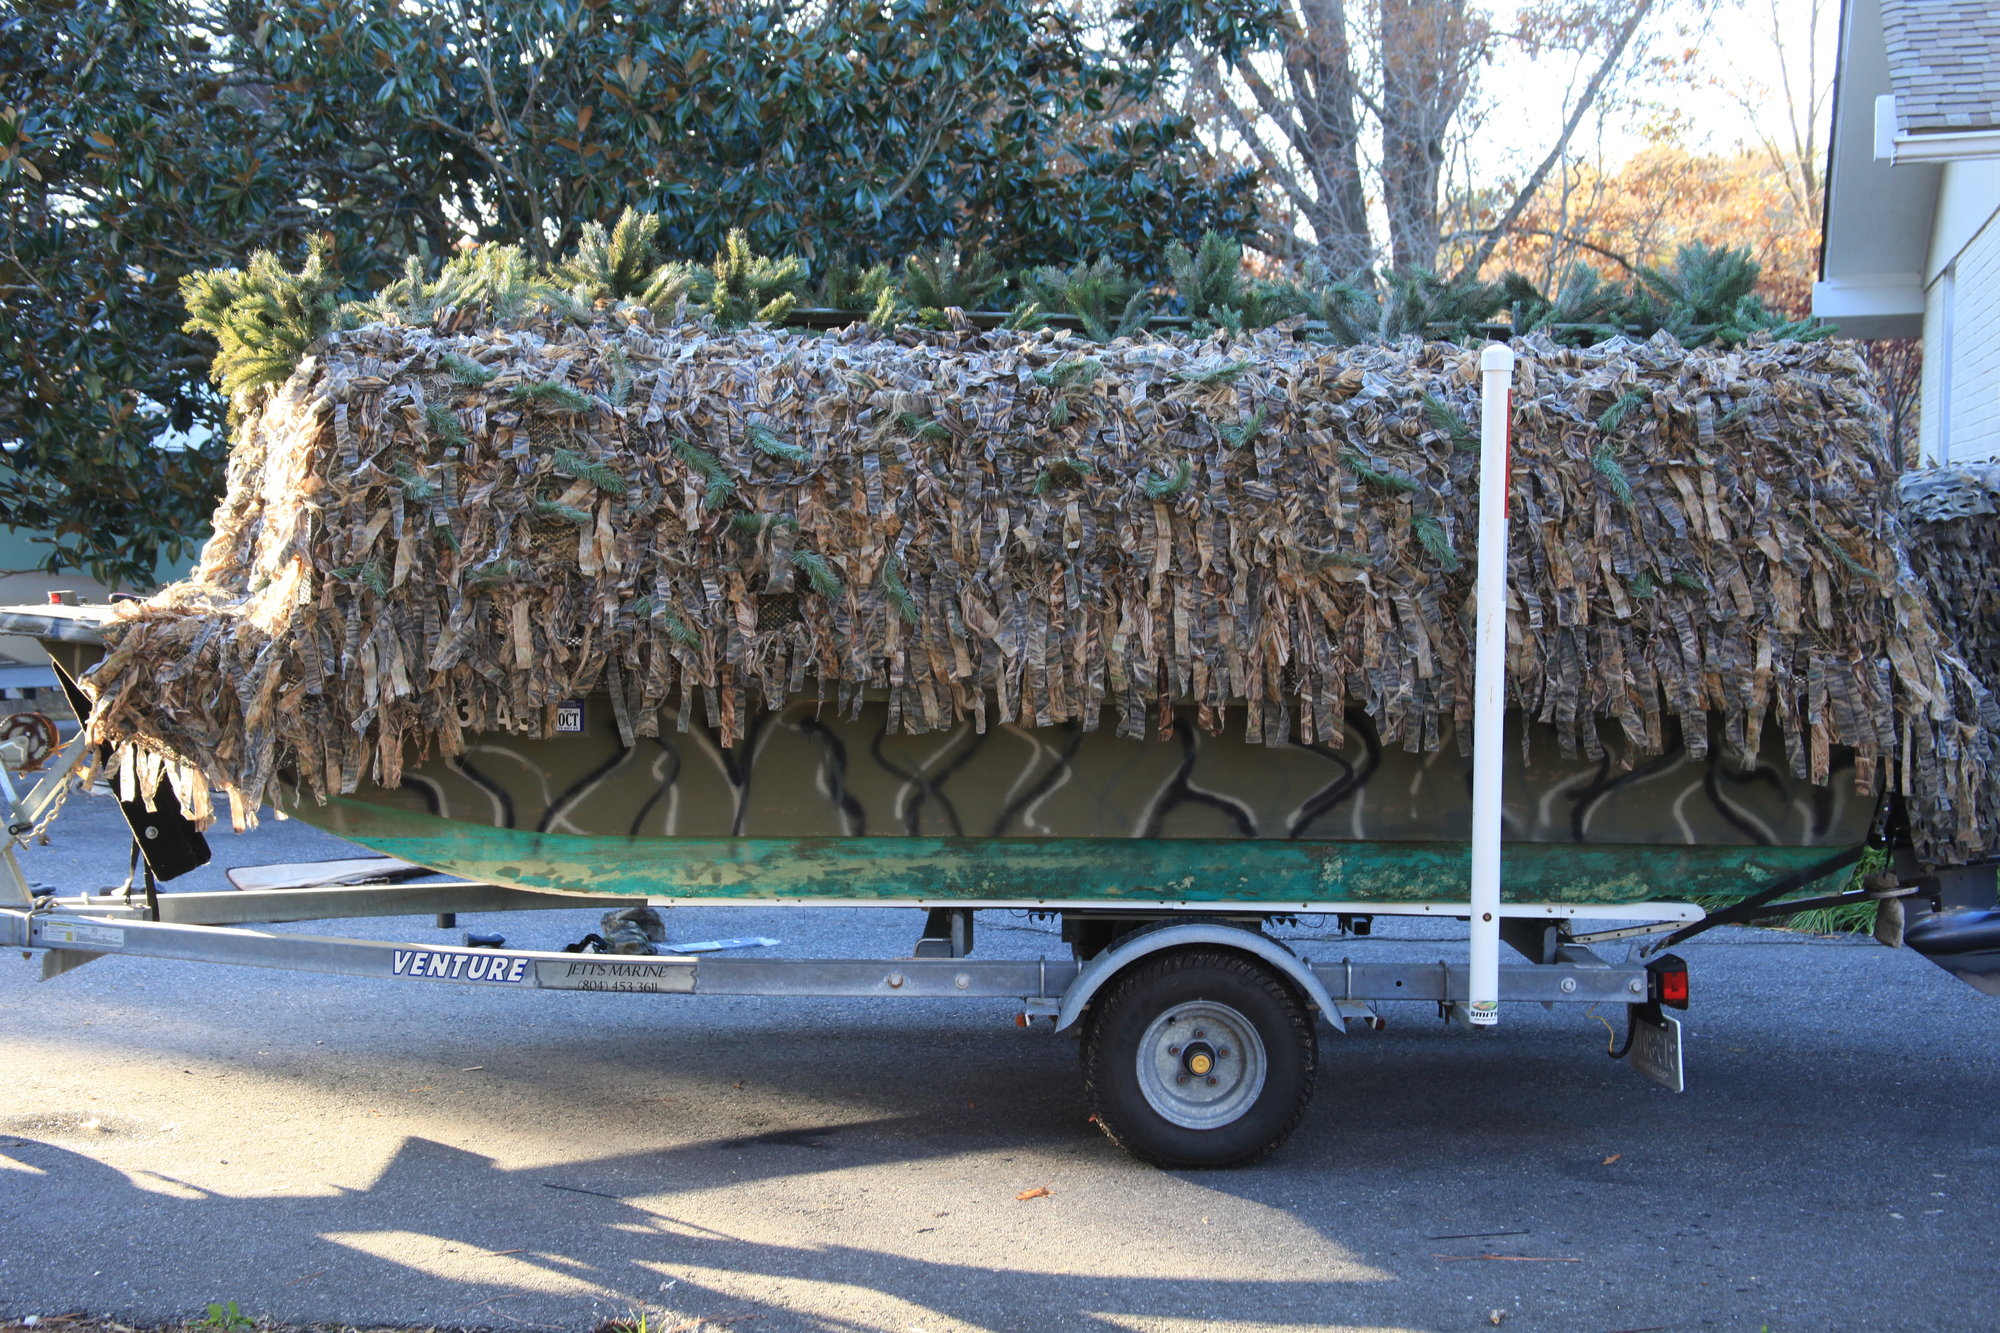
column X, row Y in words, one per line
column 1124, row 1033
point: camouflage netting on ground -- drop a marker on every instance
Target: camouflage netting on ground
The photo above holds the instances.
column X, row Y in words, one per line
column 429, row 533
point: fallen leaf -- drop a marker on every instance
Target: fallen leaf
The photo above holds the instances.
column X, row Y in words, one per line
column 1612, row 1158
column 1038, row 1192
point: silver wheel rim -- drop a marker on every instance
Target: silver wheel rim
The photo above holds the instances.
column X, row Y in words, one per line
column 1172, row 1050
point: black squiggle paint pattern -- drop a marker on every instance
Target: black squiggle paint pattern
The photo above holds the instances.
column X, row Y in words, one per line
column 737, row 765
column 1711, row 786
column 433, row 798
column 833, row 767
column 462, row 765
column 1181, row 789
column 1585, row 802
column 1335, row 793
column 667, row 782
column 927, row 787
column 574, row 792
column 1045, row 783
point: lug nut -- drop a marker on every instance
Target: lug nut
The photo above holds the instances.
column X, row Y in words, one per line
column 1199, row 1034
column 1213, row 1080
column 1180, row 1078
column 1173, row 1050
column 1222, row 1053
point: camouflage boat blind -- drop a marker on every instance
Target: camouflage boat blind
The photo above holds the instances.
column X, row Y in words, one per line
column 431, row 532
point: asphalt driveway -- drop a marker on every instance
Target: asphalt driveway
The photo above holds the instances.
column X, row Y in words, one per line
column 320, row 1148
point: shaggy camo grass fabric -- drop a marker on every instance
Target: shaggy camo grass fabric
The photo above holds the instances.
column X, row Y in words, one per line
column 430, row 532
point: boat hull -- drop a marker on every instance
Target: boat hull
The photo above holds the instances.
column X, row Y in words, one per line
column 811, row 808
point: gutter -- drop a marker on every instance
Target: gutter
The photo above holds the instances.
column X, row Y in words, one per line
column 1934, row 146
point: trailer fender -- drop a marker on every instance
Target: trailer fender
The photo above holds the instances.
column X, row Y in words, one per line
column 1101, row 969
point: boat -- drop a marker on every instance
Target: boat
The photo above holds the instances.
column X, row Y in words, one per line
column 813, row 806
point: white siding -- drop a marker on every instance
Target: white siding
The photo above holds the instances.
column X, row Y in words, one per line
column 1975, row 370
column 1961, row 388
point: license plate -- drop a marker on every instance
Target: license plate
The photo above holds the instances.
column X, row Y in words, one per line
column 1656, row 1050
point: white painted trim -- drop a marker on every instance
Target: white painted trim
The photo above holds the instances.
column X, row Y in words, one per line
column 1947, row 348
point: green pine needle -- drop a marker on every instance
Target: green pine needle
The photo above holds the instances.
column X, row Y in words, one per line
column 500, row 571
column 572, row 464
column 1855, row 565
column 679, row 632
column 552, row 393
column 1158, row 487
column 1614, row 415
column 556, row 509
column 1388, row 481
column 1434, row 539
column 416, row 488
column 1680, row 578
column 1228, row 370
column 897, row 595
column 465, row 370
column 923, row 427
column 757, row 524
column 1643, row 587
column 372, row 576
column 1604, row 461
column 1060, row 472
column 1076, row 372
column 824, row 581
column 1239, row 436
column 718, row 484
column 765, row 441
column 1447, row 419
column 445, row 426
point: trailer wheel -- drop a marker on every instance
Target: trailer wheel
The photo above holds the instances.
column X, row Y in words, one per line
column 1199, row 1058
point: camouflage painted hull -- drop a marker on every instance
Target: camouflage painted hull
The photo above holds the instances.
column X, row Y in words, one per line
column 811, row 808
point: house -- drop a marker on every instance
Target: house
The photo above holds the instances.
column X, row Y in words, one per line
column 1911, row 246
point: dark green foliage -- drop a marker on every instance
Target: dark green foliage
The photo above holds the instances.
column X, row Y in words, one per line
column 572, row 464
column 552, row 394
column 149, row 141
column 678, row 630
column 1240, row 434
column 821, row 575
column 718, row 485
column 445, row 426
column 1158, row 487
column 1604, row 461
column 262, row 317
column 1614, row 415
column 745, row 286
column 896, row 594
column 756, row 525
column 1434, row 539
column 1455, row 427
column 923, row 427
column 494, row 574
column 567, row 513
column 765, row 441
column 1109, row 302
column 1063, row 471
column 935, row 280
column 465, row 370
column 1223, row 373
column 416, row 487
column 1374, row 476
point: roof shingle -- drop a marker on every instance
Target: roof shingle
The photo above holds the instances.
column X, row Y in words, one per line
column 1944, row 63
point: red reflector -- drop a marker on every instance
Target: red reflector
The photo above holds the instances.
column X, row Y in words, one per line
column 1674, row 989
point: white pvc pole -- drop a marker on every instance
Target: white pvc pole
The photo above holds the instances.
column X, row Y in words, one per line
column 1489, row 685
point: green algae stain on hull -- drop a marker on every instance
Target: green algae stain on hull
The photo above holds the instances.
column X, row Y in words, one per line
column 891, row 870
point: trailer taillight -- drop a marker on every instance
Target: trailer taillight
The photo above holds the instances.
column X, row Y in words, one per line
column 1670, row 981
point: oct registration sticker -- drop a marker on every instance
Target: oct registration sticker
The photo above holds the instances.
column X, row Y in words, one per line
column 569, row 716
